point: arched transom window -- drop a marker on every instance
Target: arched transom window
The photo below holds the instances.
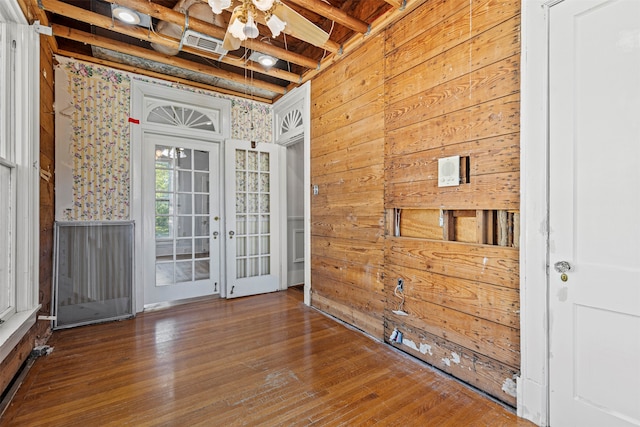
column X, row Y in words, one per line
column 184, row 117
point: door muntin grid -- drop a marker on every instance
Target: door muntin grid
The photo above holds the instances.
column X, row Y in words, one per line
column 182, row 215
column 253, row 213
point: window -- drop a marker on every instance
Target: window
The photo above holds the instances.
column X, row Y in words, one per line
column 19, row 195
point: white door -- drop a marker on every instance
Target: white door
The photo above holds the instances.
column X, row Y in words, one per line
column 181, row 215
column 594, row 316
column 252, row 214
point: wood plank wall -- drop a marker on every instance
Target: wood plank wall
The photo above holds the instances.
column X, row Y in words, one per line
column 40, row 332
column 347, row 165
column 450, row 73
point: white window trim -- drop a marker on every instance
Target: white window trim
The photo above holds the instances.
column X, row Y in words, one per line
column 25, row 124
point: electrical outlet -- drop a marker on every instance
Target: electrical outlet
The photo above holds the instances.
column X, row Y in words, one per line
column 400, row 285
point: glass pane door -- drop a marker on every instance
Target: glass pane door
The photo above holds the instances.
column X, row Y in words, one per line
column 252, row 183
column 253, row 213
column 182, row 194
column 182, row 215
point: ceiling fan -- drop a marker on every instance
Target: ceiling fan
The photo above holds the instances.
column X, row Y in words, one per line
column 272, row 13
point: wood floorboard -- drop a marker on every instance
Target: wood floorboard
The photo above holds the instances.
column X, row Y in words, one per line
column 266, row 360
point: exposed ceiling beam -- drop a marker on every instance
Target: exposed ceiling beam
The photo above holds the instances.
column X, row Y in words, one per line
column 64, row 9
column 173, row 16
column 396, row 3
column 333, row 13
column 106, row 43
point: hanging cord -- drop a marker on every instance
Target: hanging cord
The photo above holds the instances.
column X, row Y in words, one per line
column 401, row 304
column 284, row 36
column 333, row 23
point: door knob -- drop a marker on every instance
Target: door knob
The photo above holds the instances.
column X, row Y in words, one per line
column 231, row 233
column 215, row 234
column 562, row 266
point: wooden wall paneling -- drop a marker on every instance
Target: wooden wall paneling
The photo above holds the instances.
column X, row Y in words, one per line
column 498, row 117
column 488, row 301
column 350, row 113
column 355, row 296
column 355, row 251
column 369, row 322
column 480, row 86
column 348, row 283
column 497, row 341
column 360, row 156
column 465, row 227
column 362, row 71
column 470, row 20
column 488, row 374
column 350, row 226
column 499, row 191
column 486, row 48
column 424, row 223
column 486, row 156
column 347, row 165
column 348, row 136
column 449, row 82
column 420, row 21
column 488, row 264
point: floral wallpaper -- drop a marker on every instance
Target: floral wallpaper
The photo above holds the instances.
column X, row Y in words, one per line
column 99, row 142
column 92, row 117
column 251, row 121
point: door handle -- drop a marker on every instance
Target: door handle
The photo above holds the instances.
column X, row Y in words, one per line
column 562, row 266
column 215, row 235
column 231, row 233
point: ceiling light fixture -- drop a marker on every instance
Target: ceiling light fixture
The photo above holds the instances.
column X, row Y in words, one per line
column 130, row 16
column 267, row 61
column 243, row 25
column 125, row 15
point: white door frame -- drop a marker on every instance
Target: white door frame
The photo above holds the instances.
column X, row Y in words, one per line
column 282, row 105
column 140, row 92
column 533, row 384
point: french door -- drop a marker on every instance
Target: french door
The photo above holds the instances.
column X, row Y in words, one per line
column 181, row 216
column 253, row 221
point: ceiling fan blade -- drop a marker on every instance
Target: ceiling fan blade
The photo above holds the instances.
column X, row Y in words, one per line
column 300, row 27
column 230, row 42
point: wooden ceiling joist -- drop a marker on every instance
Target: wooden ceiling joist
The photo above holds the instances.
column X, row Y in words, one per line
column 169, row 15
column 334, row 14
column 91, row 39
column 79, row 14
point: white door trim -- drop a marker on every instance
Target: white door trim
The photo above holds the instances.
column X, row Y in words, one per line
column 140, row 91
column 300, row 93
column 533, row 383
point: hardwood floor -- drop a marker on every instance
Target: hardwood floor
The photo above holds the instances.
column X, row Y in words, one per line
column 263, row 360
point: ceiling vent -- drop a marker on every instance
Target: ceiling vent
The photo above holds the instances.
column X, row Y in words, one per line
column 203, row 42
